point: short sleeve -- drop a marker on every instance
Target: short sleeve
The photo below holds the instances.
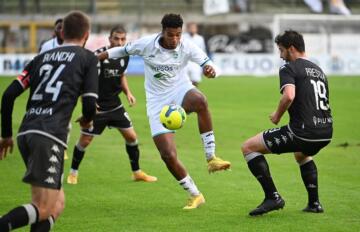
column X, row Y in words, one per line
column 91, row 78
column 287, row 76
column 197, row 55
column 24, row 77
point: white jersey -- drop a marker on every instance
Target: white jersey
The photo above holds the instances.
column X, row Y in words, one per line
column 164, row 68
column 48, row 45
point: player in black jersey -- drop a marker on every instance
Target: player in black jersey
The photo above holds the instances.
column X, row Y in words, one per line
column 56, row 79
column 111, row 112
column 305, row 95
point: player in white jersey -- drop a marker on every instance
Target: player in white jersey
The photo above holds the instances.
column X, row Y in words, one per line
column 56, row 41
column 193, row 70
column 165, row 56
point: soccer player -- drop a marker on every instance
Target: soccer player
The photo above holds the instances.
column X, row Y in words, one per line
column 56, row 79
column 165, row 56
column 110, row 110
column 57, row 39
column 55, row 42
column 305, row 95
column 193, row 70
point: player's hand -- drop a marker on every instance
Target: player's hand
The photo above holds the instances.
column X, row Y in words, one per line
column 131, row 99
column 5, row 145
column 103, row 56
column 84, row 123
column 274, row 118
column 209, row 71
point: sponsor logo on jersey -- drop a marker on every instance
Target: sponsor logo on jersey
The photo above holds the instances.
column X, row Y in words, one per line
column 160, row 68
column 40, row 111
column 111, row 73
column 159, row 75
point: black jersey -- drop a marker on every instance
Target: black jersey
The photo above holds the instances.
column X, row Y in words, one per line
column 310, row 114
column 110, row 72
column 56, row 79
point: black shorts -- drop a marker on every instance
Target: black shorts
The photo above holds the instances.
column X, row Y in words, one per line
column 44, row 160
column 117, row 118
column 282, row 140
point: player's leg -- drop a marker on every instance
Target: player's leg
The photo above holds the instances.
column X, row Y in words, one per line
column 40, row 198
column 44, row 167
column 99, row 123
column 67, row 140
column 253, row 150
column 195, row 101
column 132, row 149
column 309, row 176
column 38, row 212
column 78, row 156
column 167, row 148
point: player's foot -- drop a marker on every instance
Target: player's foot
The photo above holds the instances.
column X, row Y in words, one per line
column 142, row 176
column 268, row 205
column 72, row 178
column 217, row 164
column 195, row 201
column 66, row 155
column 314, row 208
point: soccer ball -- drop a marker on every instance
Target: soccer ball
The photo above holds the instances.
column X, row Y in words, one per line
column 172, row 116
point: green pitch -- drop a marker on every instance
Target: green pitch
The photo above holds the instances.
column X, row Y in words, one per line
column 107, row 200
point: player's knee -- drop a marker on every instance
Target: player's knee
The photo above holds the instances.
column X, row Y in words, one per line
column 168, row 155
column 84, row 142
column 202, row 103
column 301, row 159
column 45, row 211
column 131, row 138
column 246, row 148
column 59, row 208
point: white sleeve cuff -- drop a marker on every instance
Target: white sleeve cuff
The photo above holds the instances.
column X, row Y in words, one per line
column 116, row 52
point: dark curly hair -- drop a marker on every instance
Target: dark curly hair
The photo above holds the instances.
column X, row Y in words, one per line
column 171, row 21
column 291, row 38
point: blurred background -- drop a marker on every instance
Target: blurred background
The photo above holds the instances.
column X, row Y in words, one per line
column 239, row 34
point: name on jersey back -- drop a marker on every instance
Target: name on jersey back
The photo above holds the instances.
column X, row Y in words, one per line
column 59, row 56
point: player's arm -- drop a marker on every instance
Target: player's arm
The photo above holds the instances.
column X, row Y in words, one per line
column 115, row 52
column 7, row 106
column 286, row 99
column 200, row 57
column 90, row 95
column 126, row 89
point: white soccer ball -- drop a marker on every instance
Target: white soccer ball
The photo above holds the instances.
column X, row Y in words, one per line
column 172, row 116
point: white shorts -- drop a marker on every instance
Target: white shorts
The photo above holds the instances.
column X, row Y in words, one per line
column 154, row 107
column 194, row 72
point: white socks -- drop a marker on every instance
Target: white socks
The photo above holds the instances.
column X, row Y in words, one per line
column 188, row 184
column 208, row 140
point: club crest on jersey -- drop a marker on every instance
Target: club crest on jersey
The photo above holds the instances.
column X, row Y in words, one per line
column 122, row 62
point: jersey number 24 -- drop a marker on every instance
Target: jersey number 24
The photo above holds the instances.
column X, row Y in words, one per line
column 52, row 85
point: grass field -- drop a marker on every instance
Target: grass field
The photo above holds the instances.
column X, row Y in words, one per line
column 107, row 200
